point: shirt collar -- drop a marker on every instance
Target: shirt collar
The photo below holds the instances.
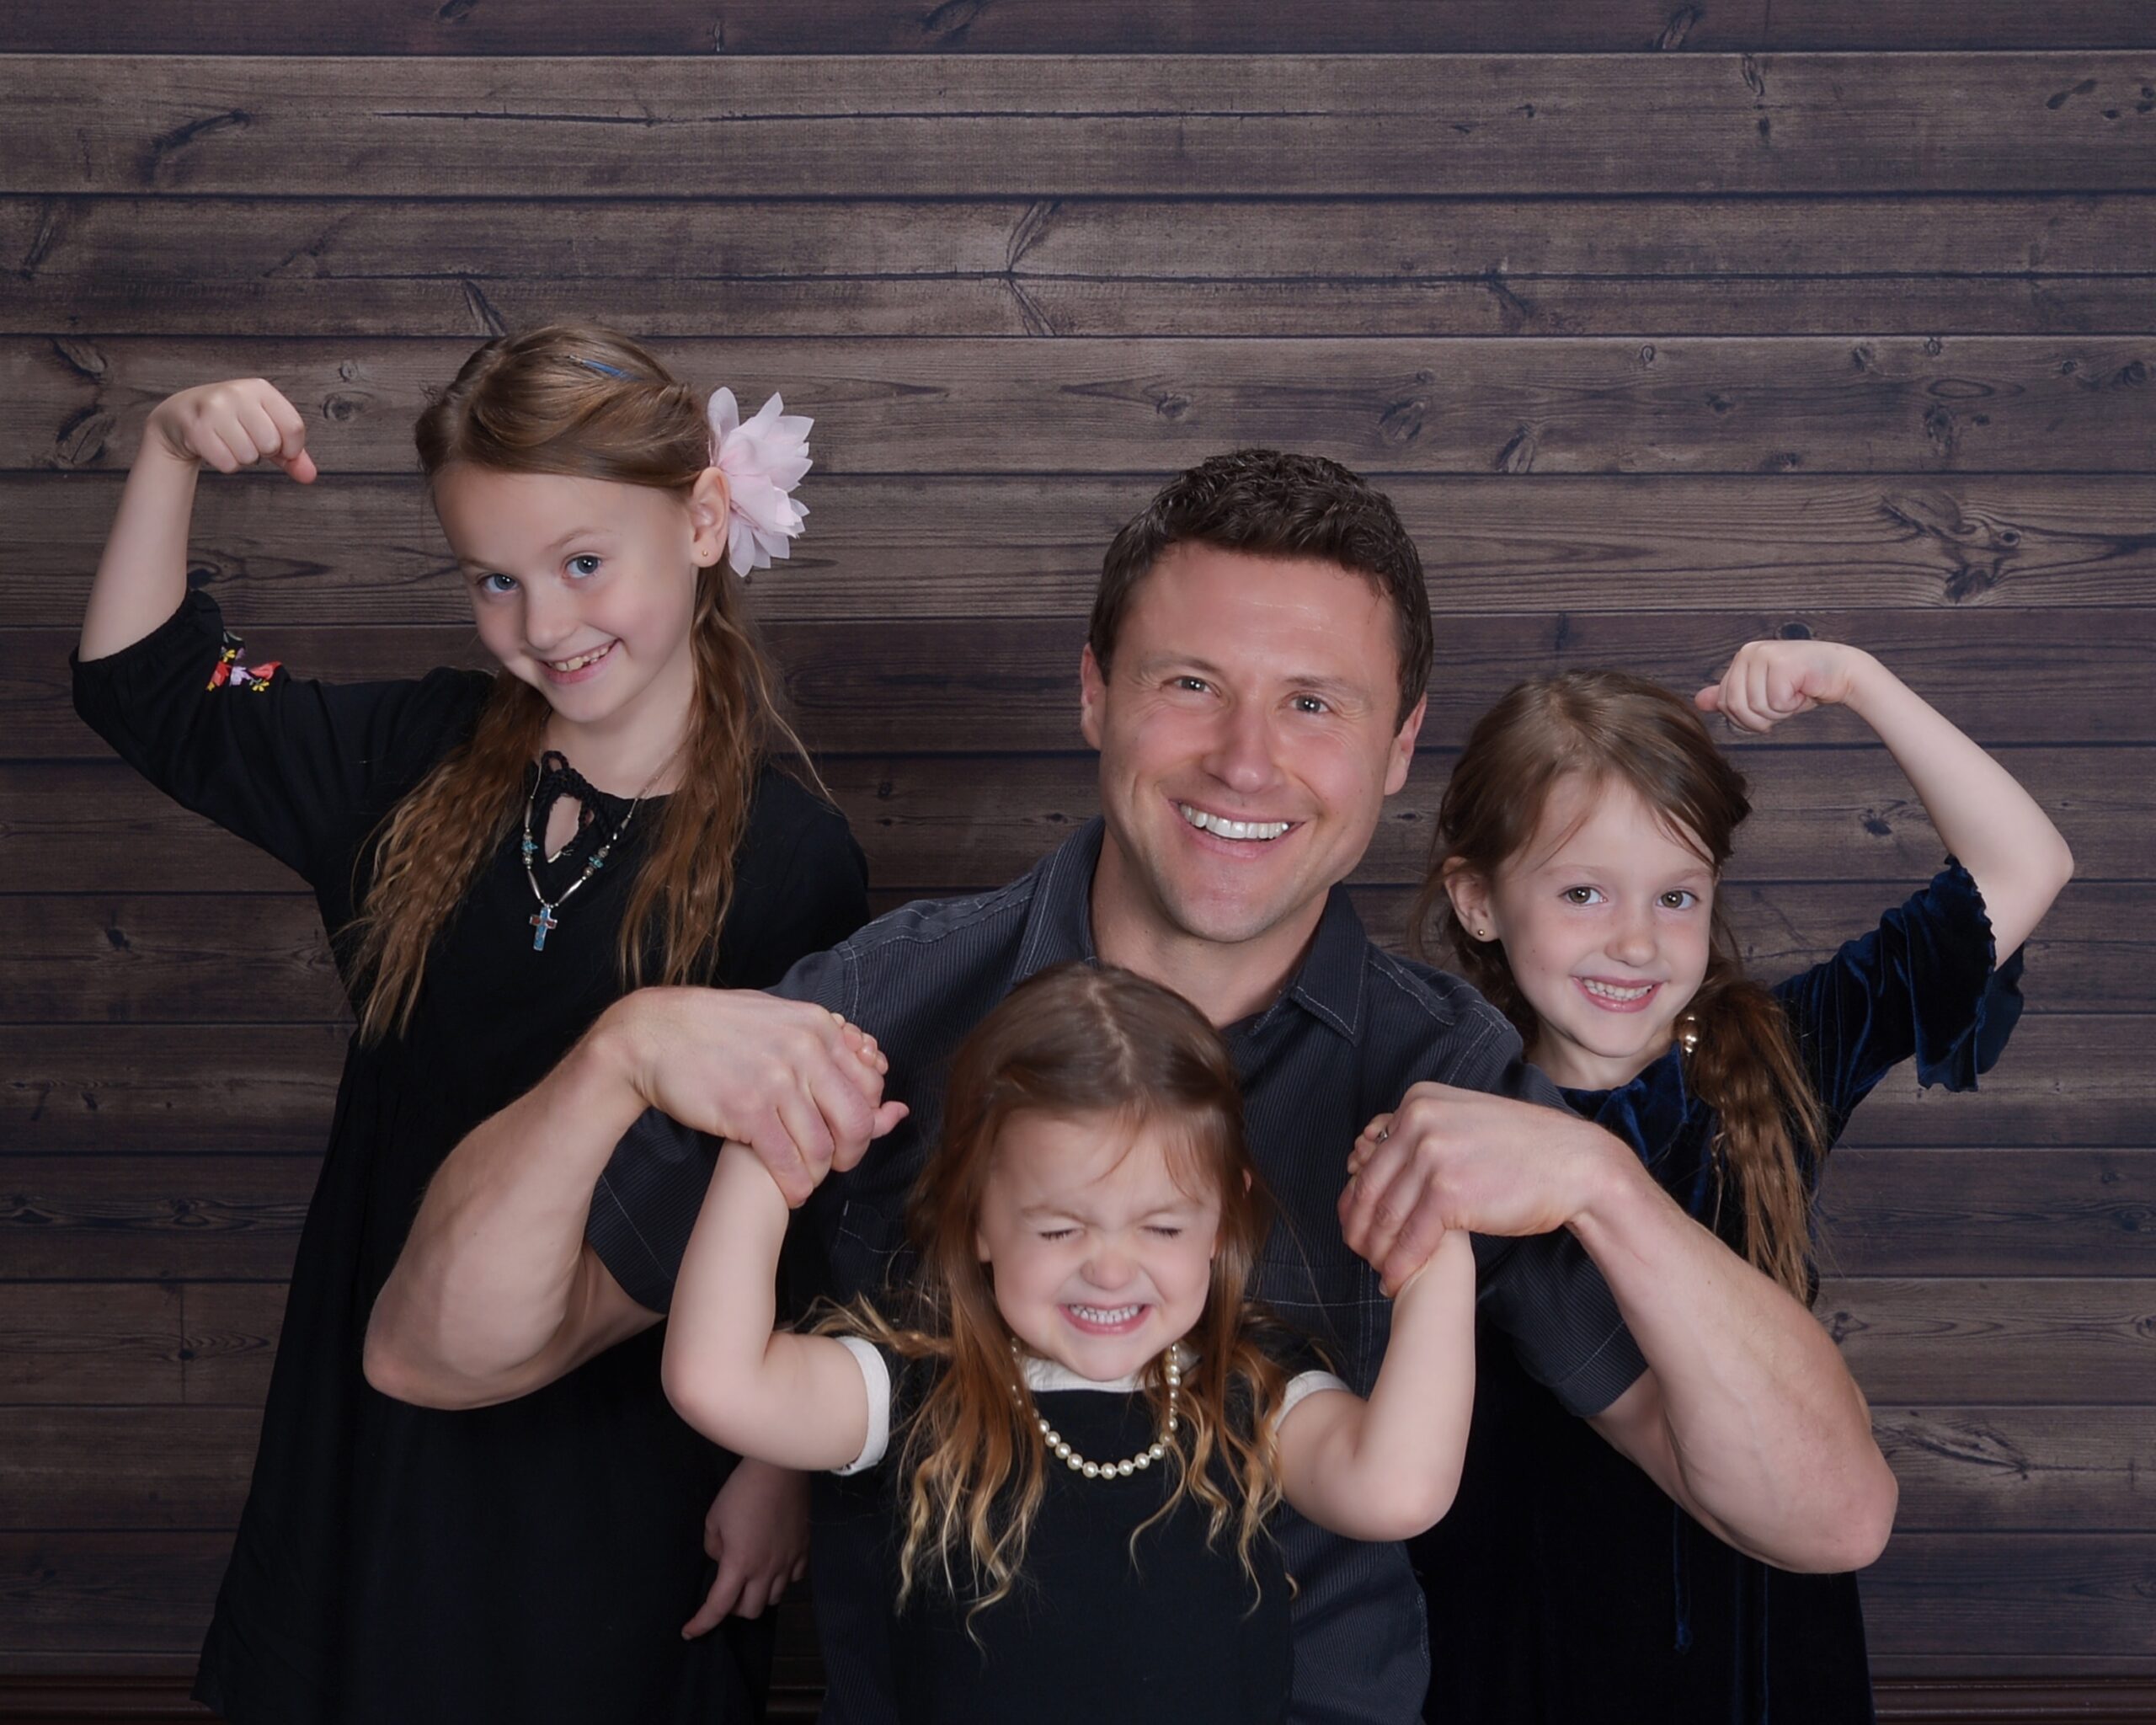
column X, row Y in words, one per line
column 1329, row 985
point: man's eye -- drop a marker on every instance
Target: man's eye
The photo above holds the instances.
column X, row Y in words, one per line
column 587, row 564
column 1195, row 685
column 1310, row 704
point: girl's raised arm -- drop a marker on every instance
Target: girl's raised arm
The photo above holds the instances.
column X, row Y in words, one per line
column 795, row 1400
column 143, row 576
column 2008, row 844
column 1387, row 1468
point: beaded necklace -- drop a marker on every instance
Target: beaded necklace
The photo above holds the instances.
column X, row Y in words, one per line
column 1061, row 1450
column 544, row 921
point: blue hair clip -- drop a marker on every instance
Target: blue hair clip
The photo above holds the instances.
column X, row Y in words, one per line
column 604, row 370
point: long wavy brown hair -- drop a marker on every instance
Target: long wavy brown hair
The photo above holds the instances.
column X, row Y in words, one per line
column 1095, row 1043
column 1609, row 726
column 580, row 400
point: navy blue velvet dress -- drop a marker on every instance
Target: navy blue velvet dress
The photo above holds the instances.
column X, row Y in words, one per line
column 1565, row 1587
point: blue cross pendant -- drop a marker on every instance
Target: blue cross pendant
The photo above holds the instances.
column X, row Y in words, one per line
column 544, row 923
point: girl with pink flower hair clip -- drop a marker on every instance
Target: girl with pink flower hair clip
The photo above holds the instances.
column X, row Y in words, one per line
column 499, row 856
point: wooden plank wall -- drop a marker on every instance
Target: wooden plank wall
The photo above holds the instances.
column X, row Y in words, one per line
column 1666, row 325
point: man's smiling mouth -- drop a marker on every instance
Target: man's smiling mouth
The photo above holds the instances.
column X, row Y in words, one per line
column 1220, row 826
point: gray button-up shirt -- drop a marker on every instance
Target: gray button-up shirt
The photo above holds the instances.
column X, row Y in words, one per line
column 1353, row 1031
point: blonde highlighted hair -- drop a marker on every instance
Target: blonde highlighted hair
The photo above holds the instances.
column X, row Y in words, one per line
column 1075, row 1040
column 582, row 402
column 1610, row 727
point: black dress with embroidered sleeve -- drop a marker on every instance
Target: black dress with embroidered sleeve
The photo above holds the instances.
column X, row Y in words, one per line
column 1565, row 1587
column 533, row 1561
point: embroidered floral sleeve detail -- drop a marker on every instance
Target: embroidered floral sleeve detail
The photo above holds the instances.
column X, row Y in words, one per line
column 231, row 674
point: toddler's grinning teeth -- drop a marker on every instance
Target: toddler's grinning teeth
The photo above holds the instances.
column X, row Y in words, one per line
column 1107, row 1314
column 1221, row 827
column 566, row 665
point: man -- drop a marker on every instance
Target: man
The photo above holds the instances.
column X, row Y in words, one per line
column 1254, row 682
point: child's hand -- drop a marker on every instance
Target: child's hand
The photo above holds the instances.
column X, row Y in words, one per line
column 1771, row 681
column 757, row 1532
column 233, row 425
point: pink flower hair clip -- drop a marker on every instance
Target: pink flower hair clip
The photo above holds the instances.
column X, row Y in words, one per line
column 763, row 459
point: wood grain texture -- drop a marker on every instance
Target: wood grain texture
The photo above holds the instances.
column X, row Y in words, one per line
column 349, row 550
column 950, row 823
column 1997, row 1470
column 1770, row 404
column 1249, row 125
column 266, row 267
column 2069, row 1083
column 1992, row 1211
column 2036, row 1595
column 90, row 1595
column 134, row 1468
column 757, row 27
column 111, row 960
column 971, row 684
column 158, row 1216
column 2077, row 1339
column 81, row 1344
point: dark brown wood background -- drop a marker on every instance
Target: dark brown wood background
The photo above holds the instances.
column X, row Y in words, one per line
column 1666, row 325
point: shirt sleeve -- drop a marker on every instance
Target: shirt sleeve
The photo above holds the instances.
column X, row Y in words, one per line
column 876, row 1379
column 1303, row 1386
column 648, row 1199
column 295, row 766
column 1545, row 1293
column 1926, row 985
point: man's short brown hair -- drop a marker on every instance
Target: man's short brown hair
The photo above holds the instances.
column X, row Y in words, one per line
column 1276, row 505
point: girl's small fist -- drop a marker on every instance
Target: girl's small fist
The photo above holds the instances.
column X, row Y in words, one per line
column 234, row 425
column 1772, row 680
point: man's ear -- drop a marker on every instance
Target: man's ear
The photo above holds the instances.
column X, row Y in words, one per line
column 1469, row 894
column 1401, row 752
column 709, row 500
column 1092, row 695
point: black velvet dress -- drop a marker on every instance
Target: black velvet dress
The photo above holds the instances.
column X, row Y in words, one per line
column 533, row 1561
column 1564, row 1587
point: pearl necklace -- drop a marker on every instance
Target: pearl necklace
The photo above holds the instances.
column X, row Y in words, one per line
column 1061, row 1450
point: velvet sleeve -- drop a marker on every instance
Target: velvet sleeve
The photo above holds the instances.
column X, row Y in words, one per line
column 1924, row 986
column 296, row 767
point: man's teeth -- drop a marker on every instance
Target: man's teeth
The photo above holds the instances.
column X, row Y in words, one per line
column 582, row 658
column 1108, row 1314
column 1221, row 827
column 1610, row 992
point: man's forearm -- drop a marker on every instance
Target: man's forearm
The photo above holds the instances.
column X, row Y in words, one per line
column 1751, row 1420
column 493, row 1280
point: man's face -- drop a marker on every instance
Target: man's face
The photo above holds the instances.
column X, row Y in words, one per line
column 1248, row 738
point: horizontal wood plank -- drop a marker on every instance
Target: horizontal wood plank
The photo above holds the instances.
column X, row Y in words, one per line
column 2039, row 1596
column 232, row 1341
column 1006, row 683
column 90, row 1595
column 2063, row 1470
column 128, row 1468
column 870, row 125
column 348, row 551
column 153, row 1217
column 1767, row 404
column 1989, row 1212
column 80, row 1343
column 1996, row 1340
column 2067, row 1082
column 95, row 267
column 1999, row 1470
column 941, row 824
column 107, row 960
column 760, row 27
column 1996, row 1210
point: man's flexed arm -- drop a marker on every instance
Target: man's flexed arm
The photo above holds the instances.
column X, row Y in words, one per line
column 1747, row 1415
column 496, row 1292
